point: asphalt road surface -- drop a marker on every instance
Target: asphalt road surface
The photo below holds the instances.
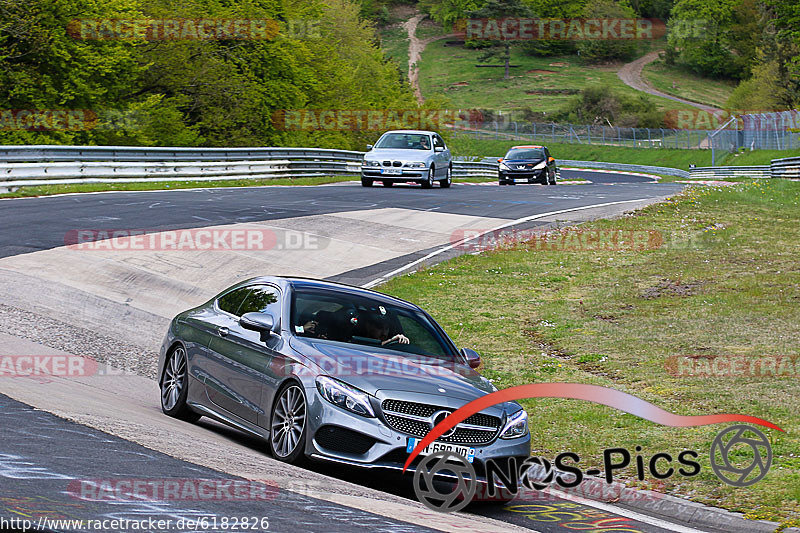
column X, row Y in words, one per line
column 60, row 299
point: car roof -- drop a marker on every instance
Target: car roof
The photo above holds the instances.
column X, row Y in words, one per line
column 424, row 132
column 297, row 282
column 527, row 146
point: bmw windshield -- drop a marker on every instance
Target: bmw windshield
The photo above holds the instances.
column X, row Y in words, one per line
column 404, row 141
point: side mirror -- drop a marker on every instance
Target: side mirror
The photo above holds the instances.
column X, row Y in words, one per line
column 500, row 160
column 438, row 148
column 260, row 322
column 551, row 159
column 369, row 147
column 471, row 357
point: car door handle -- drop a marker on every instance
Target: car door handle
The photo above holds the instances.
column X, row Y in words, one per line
column 223, row 331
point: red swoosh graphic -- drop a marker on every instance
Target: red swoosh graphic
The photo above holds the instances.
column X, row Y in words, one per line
column 578, row 391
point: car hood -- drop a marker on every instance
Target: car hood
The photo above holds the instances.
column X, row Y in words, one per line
column 376, row 370
column 397, row 153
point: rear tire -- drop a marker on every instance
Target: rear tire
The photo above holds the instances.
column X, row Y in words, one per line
column 175, row 386
column 366, row 182
column 428, row 182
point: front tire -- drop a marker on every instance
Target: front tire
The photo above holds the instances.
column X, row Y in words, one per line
column 288, row 424
column 448, row 180
column 553, row 179
column 428, row 182
column 366, row 182
column 175, row 386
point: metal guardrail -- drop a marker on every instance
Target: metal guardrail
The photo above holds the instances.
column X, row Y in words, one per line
column 55, row 153
column 31, row 165
column 665, row 171
column 756, row 171
column 788, row 167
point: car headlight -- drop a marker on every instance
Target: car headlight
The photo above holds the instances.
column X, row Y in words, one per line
column 517, row 426
column 344, row 396
column 503, row 166
column 368, row 163
column 540, row 165
column 416, row 165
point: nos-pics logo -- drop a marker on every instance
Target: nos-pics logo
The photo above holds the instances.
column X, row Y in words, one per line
column 446, row 481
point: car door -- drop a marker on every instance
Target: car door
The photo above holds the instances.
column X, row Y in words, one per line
column 442, row 158
column 240, row 359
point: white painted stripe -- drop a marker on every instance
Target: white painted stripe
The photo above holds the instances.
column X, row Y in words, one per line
column 603, row 171
column 633, row 515
column 443, row 249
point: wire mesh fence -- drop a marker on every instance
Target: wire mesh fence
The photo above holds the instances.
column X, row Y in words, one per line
column 589, row 134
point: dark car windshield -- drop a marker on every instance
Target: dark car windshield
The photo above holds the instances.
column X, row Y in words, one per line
column 525, row 153
column 405, row 141
column 354, row 319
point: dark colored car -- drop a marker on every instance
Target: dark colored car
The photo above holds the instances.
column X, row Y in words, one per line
column 528, row 164
column 331, row 372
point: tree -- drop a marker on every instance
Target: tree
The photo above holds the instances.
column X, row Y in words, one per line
column 602, row 50
column 495, row 10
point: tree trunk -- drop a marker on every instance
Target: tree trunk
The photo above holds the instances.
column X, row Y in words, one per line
column 507, row 62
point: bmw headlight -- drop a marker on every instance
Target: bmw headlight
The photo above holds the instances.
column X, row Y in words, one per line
column 416, row 165
column 344, row 396
column 540, row 165
column 517, row 426
column 368, row 163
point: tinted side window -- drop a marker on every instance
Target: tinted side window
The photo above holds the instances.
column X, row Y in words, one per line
column 231, row 301
column 262, row 299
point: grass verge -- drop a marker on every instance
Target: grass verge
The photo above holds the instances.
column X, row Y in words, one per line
column 725, row 283
column 535, row 84
column 678, row 82
column 47, row 190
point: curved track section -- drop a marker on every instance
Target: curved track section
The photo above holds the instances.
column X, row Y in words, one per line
column 113, row 304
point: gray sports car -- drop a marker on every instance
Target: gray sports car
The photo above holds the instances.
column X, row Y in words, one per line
column 331, row 372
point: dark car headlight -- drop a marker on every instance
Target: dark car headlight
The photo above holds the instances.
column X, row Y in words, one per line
column 343, row 395
column 516, row 426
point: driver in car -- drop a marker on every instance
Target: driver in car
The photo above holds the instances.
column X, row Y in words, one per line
column 378, row 326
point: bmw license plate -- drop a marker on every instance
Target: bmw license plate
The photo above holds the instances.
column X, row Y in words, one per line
column 436, row 446
column 392, row 171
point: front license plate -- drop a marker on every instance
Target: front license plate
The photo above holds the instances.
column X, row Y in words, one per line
column 436, row 446
column 392, row 171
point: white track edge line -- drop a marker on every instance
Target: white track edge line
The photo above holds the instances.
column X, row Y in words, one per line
column 522, row 220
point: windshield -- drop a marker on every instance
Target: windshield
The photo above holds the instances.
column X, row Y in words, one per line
column 353, row 319
column 525, row 153
column 405, row 141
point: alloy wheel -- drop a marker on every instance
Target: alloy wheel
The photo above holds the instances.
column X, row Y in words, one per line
column 288, row 421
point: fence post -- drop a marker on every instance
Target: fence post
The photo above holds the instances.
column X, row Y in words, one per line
column 554, row 132
column 634, row 137
column 534, row 133
column 604, row 134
